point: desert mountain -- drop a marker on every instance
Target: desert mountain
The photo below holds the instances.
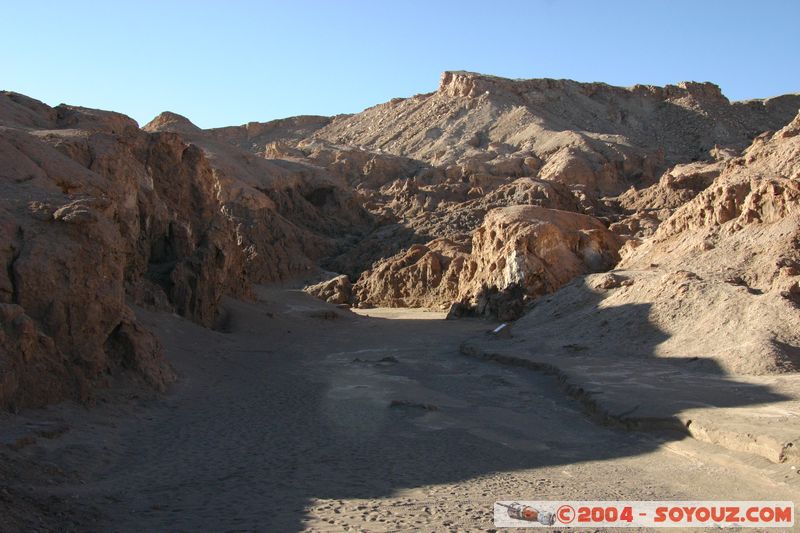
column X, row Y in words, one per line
column 97, row 214
column 718, row 279
column 484, row 195
column 603, row 137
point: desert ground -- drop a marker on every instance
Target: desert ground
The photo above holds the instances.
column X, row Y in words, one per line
column 283, row 325
column 301, row 416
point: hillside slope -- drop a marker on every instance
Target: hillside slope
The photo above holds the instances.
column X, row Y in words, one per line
column 719, row 280
column 97, row 214
column 592, row 134
column 487, row 194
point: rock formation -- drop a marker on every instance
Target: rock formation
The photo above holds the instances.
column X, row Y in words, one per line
column 287, row 214
column 93, row 211
column 591, row 134
column 717, row 280
column 530, row 248
column 336, row 290
column 96, row 213
column 488, row 194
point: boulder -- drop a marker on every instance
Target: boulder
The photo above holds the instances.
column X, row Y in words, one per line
column 336, row 290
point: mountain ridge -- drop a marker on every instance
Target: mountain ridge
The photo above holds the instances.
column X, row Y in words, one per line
column 484, row 202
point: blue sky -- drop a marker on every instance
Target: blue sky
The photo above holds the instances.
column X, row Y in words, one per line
column 224, row 63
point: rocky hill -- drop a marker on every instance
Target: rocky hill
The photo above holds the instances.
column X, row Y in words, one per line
column 433, row 165
column 716, row 283
column 603, row 137
column 480, row 197
column 97, row 214
column 626, row 156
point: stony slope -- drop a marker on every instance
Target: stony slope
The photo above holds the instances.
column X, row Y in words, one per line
column 552, row 143
column 288, row 214
column 520, row 252
column 593, row 134
column 717, row 281
column 415, row 200
column 433, row 165
column 96, row 213
column 711, row 258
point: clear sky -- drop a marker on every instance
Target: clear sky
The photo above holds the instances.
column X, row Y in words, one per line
column 230, row 62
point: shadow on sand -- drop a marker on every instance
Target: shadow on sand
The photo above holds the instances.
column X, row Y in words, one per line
column 315, row 422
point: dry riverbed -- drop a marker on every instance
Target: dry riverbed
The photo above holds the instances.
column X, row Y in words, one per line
column 300, row 416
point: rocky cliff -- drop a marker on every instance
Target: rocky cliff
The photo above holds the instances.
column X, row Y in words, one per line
column 526, row 251
column 716, row 281
column 482, row 196
column 97, row 214
column 592, row 134
column 628, row 157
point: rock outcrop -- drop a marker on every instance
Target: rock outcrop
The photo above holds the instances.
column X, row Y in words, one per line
column 257, row 136
column 488, row 193
column 287, row 214
column 423, row 276
column 592, row 134
column 94, row 212
column 538, row 249
column 433, row 165
column 97, row 214
column 716, row 285
column 745, row 220
column 336, row 290
column 527, row 251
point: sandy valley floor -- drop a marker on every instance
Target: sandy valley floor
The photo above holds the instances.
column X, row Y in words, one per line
column 293, row 420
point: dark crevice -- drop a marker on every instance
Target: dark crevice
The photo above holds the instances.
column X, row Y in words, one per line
column 92, row 159
column 17, row 251
column 163, row 259
column 320, row 196
column 120, row 350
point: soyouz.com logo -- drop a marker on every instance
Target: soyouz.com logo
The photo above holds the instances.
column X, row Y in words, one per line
column 643, row 514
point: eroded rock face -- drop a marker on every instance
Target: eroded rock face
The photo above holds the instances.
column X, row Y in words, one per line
column 487, row 193
column 33, row 371
column 286, row 214
column 539, row 249
column 712, row 283
column 359, row 168
column 751, row 205
column 433, row 165
column 647, row 208
column 518, row 253
column 592, row 134
column 92, row 206
column 257, row 136
column 337, row 290
column 716, row 283
column 96, row 212
column 194, row 256
column 422, row 276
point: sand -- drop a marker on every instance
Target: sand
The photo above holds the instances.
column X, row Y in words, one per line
column 290, row 421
